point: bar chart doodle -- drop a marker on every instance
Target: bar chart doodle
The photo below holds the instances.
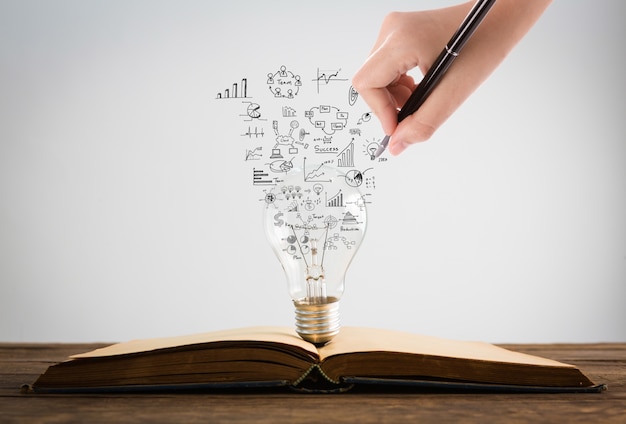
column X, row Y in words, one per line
column 346, row 157
column 261, row 177
column 235, row 91
column 335, row 201
column 309, row 131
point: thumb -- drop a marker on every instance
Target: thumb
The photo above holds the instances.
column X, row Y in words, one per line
column 413, row 129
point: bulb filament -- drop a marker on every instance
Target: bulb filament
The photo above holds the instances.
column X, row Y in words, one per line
column 315, row 285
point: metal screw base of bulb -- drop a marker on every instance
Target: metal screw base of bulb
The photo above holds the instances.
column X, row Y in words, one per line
column 317, row 323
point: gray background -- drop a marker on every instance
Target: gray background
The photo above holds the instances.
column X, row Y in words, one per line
column 126, row 210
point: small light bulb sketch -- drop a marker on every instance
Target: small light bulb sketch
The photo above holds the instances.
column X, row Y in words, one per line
column 371, row 149
column 318, row 188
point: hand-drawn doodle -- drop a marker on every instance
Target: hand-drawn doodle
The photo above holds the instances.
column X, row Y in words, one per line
column 261, row 177
column 331, row 221
column 364, row 118
column 308, row 133
column 346, row 157
column 281, row 166
column 253, row 111
column 326, row 76
column 355, row 178
column 370, row 148
column 285, row 140
column 318, row 188
column 349, row 219
column 336, row 201
column 327, row 118
column 289, row 112
column 236, row 91
column 353, row 96
column 302, row 134
column 316, row 175
column 254, row 154
column 256, row 133
column 284, row 83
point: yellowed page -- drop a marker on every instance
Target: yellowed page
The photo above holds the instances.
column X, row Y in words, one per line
column 356, row 339
column 284, row 335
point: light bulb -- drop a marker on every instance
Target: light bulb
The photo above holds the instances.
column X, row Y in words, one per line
column 315, row 221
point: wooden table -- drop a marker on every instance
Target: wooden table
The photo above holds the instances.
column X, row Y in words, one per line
column 603, row 363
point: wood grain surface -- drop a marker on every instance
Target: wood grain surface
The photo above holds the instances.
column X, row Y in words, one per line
column 603, row 363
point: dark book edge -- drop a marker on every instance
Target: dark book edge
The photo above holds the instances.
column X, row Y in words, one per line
column 317, row 383
column 473, row 387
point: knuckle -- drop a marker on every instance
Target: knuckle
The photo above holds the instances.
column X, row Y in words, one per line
column 421, row 131
column 392, row 19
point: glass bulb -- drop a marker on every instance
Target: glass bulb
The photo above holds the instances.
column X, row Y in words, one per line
column 315, row 221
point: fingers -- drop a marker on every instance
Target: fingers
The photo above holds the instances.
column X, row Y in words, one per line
column 410, row 131
column 384, row 87
column 371, row 82
column 406, row 41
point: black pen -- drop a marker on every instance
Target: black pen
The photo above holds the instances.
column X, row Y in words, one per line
column 441, row 65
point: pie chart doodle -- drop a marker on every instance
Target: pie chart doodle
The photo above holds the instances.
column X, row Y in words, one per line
column 253, row 111
column 354, row 178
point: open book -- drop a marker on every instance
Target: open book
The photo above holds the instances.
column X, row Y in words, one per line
column 277, row 356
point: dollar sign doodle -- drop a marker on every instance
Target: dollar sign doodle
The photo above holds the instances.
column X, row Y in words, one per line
column 277, row 221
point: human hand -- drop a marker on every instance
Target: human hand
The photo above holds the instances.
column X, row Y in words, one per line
column 414, row 39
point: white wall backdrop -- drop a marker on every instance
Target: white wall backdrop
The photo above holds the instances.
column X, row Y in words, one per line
column 127, row 211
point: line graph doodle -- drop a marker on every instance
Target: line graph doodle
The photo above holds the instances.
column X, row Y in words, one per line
column 326, row 76
column 316, row 175
column 255, row 154
column 331, row 128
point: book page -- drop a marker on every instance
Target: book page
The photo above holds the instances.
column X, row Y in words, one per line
column 356, row 339
column 284, row 335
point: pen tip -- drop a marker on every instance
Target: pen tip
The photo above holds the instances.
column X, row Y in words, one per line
column 382, row 146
